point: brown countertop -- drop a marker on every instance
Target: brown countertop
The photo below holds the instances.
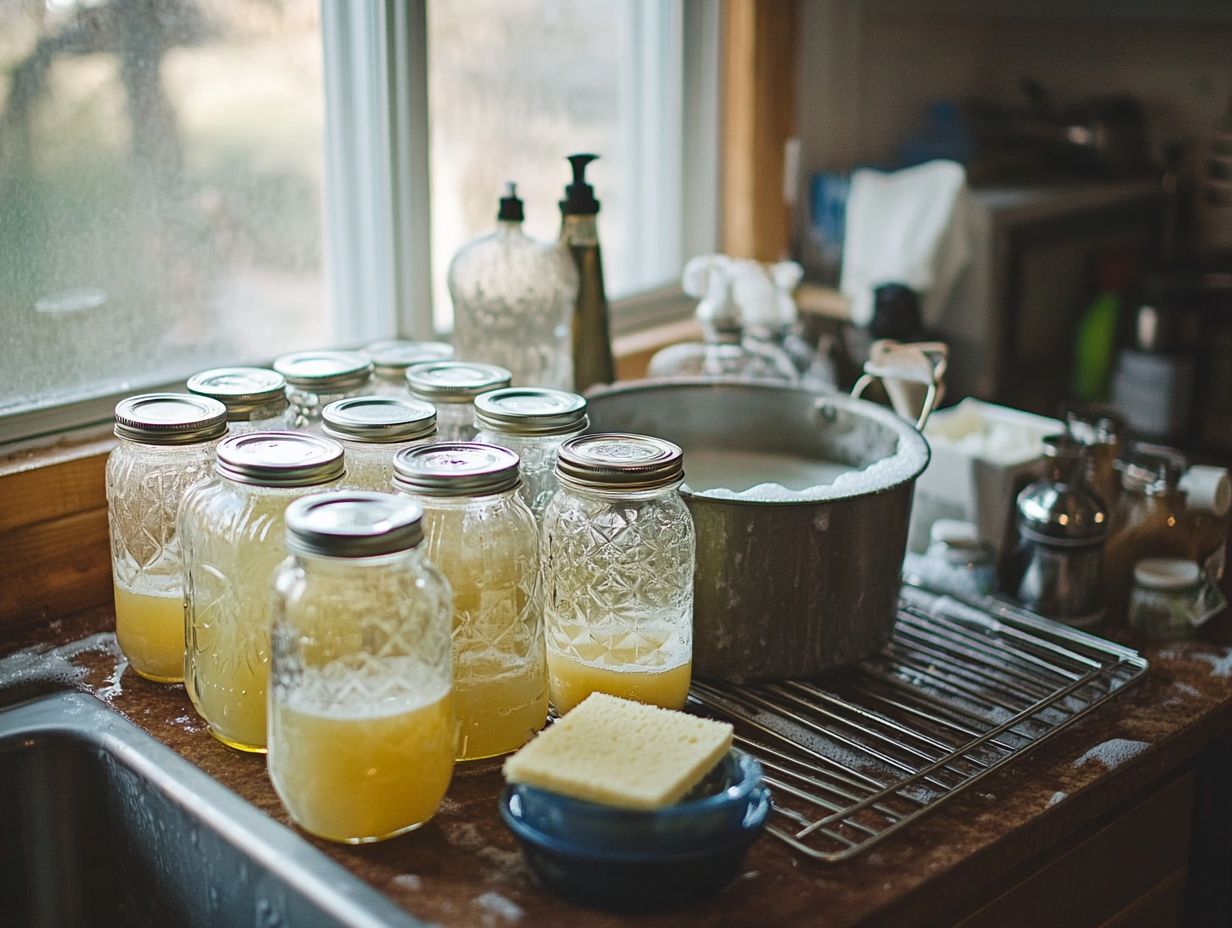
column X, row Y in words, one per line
column 464, row 868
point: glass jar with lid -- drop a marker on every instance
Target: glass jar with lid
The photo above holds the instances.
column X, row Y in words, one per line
column 361, row 724
column 166, row 444
column 451, row 386
column 485, row 540
column 618, row 555
column 1171, row 598
column 372, row 429
column 231, row 530
column 255, row 397
column 391, row 358
column 317, row 378
column 533, row 422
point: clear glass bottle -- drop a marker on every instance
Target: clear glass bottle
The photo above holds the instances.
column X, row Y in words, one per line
column 485, row 540
column 451, row 386
column 361, row 708
column 371, row 430
column 317, row 378
column 618, row 556
column 166, row 444
column 533, row 422
column 391, row 358
column 513, row 299
column 255, row 397
column 231, row 530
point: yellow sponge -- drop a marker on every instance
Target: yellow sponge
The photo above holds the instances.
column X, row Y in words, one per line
column 622, row 753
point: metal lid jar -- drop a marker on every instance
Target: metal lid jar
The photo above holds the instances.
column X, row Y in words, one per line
column 255, row 397
column 391, row 358
column 361, row 696
column 451, row 386
column 372, row 429
column 485, row 540
column 533, row 422
column 231, row 531
column 166, row 444
column 618, row 557
column 317, row 378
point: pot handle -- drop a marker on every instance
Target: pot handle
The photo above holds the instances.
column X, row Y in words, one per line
column 900, row 364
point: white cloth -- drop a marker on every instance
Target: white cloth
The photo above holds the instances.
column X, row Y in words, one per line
column 907, row 227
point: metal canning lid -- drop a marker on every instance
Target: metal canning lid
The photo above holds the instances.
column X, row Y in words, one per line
column 379, row 419
column 620, row 461
column 391, row 358
column 462, row 468
column 243, row 390
column 530, row 411
column 323, row 371
column 454, row 381
column 170, row 419
column 353, row 523
column 279, row 459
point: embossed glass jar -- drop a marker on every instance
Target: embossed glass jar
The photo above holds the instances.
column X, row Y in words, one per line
column 361, row 724
column 231, row 530
column 166, row 444
column 618, row 555
column 317, row 378
column 485, row 540
column 256, row 398
column 371, row 430
column 533, row 422
column 390, row 360
column 451, row 386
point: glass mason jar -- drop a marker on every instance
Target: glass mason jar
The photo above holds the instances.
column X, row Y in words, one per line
column 256, row 398
column 1171, row 598
column 451, row 386
column 371, row 430
column 166, row 444
column 533, row 422
column 231, row 537
column 485, row 540
column 317, row 378
column 618, row 554
column 361, row 715
column 391, row 358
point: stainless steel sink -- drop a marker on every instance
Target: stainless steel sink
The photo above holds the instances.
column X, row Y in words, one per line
column 102, row 825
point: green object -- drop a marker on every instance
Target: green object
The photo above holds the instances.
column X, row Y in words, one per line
column 1094, row 346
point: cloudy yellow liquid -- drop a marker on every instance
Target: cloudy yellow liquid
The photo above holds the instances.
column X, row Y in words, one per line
column 364, row 774
column 572, row 680
column 499, row 713
column 228, row 690
column 150, row 631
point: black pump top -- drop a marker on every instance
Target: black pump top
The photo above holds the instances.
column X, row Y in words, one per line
column 510, row 205
column 579, row 196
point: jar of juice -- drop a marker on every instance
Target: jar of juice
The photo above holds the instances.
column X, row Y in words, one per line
column 484, row 539
column 166, row 444
column 390, row 360
column 361, row 714
column 618, row 553
column 451, row 386
column 317, row 378
column 256, row 398
column 371, row 430
column 231, row 531
column 533, row 422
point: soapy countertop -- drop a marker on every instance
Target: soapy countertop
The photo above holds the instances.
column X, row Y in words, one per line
column 464, row 867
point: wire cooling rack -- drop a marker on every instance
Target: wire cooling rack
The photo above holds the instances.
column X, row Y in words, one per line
column 857, row 754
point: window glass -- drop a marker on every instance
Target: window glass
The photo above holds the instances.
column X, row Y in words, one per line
column 161, row 167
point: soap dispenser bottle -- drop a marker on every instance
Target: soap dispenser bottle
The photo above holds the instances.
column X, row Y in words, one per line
column 513, row 299
column 579, row 230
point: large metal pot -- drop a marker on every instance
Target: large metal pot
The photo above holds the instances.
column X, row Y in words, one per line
column 785, row 588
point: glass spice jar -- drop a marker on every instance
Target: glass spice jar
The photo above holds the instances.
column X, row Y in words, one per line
column 231, row 531
column 361, row 714
column 371, row 430
column 166, row 444
column 317, row 378
column 390, row 360
column 533, row 422
column 451, row 386
column 1171, row 598
column 618, row 555
column 256, row 398
column 485, row 540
